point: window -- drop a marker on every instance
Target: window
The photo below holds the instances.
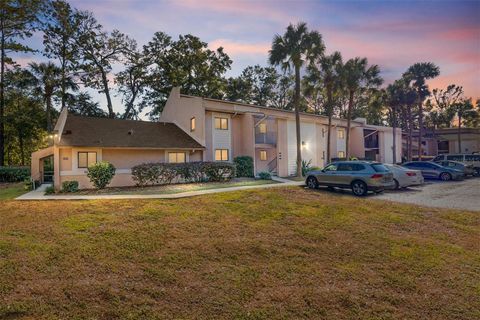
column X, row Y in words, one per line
column 345, row 167
column 332, row 167
column 192, row 124
column 379, row 167
column 86, row 159
column 341, row 154
column 221, row 123
column 263, row 155
column 472, row 157
column 262, row 127
column 221, row 154
column 456, row 157
column 341, row 134
column 176, row 157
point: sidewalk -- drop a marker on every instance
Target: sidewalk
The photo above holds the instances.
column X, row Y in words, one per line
column 39, row 194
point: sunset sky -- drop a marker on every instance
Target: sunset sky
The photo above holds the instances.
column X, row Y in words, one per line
column 392, row 34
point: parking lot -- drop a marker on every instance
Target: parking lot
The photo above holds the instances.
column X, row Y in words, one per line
column 452, row 194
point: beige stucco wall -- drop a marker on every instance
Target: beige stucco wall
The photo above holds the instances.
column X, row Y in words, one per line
column 357, row 145
column 261, row 165
column 180, row 110
column 122, row 159
column 282, row 149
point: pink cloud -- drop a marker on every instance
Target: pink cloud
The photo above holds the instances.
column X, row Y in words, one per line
column 234, row 48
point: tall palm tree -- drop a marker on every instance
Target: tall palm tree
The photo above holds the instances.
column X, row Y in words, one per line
column 357, row 76
column 297, row 47
column 325, row 76
column 417, row 75
column 49, row 82
column 462, row 109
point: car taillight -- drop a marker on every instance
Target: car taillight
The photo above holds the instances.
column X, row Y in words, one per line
column 411, row 174
column 377, row 176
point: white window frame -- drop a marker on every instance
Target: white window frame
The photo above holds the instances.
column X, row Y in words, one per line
column 221, row 158
column 220, row 123
column 176, row 153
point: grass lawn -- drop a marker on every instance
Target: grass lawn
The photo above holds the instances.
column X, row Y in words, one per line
column 177, row 188
column 283, row 253
column 11, row 190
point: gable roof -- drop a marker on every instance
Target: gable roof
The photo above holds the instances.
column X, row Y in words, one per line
column 82, row 131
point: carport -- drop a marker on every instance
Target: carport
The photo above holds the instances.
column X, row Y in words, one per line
column 42, row 165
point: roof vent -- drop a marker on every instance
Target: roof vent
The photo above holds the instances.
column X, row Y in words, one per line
column 67, row 132
column 130, row 132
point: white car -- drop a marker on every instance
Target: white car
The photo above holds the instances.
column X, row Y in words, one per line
column 404, row 177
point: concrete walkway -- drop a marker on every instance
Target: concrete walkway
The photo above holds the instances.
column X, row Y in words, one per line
column 39, row 194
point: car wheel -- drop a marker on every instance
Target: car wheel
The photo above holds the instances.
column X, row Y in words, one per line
column 359, row 188
column 331, row 189
column 397, row 185
column 312, row 182
column 445, row 176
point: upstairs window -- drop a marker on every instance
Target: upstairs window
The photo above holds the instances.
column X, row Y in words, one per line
column 193, row 124
column 262, row 127
column 86, row 159
column 341, row 134
column 221, row 123
column 341, row 154
column 221, row 154
column 176, row 157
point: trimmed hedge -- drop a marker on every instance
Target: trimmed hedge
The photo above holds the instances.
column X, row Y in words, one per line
column 167, row 173
column 70, row 186
column 14, row 174
column 244, row 166
column 265, row 175
column 101, row 174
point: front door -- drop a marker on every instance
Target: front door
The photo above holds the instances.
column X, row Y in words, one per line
column 47, row 169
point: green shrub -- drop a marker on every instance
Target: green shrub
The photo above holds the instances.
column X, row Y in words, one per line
column 14, row 174
column 166, row 173
column 29, row 184
column 244, row 166
column 306, row 166
column 265, row 175
column 101, row 174
column 49, row 190
column 219, row 171
column 70, row 186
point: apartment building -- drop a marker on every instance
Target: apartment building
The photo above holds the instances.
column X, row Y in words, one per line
column 229, row 129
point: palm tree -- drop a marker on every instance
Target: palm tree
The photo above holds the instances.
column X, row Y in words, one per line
column 325, row 77
column 462, row 109
column 294, row 49
column 48, row 81
column 417, row 74
column 358, row 76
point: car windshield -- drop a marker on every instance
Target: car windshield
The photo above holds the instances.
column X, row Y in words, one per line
column 379, row 167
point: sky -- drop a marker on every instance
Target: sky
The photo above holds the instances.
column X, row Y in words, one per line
column 391, row 34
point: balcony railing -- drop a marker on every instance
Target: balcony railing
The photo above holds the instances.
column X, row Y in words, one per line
column 266, row 138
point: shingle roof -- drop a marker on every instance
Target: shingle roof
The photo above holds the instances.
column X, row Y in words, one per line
column 82, row 131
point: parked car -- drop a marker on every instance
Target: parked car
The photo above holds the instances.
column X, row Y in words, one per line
column 432, row 170
column 360, row 176
column 405, row 177
column 467, row 169
column 468, row 159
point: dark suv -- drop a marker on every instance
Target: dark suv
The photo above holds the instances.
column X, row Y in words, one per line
column 431, row 170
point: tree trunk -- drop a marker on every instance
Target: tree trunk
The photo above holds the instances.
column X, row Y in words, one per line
column 297, row 120
column 22, row 148
column 410, row 131
column 48, row 101
column 394, row 132
column 349, row 115
column 111, row 114
column 329, row 136
column 459, row 132
column 420, row 130
column 2, row 99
